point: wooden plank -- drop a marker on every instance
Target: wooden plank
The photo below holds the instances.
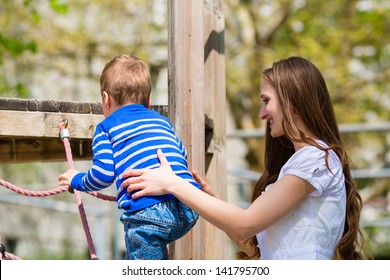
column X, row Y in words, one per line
column 186, row 101
column 35, row 150
column 217, row 242
column 37, row 124
column 77, row 107
column 41, row 124
column 29, row 128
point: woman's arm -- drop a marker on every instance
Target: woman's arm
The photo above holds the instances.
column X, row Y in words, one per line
column 238, row 223
column 248, row 250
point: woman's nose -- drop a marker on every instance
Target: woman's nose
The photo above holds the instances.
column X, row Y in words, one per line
column 262, row 114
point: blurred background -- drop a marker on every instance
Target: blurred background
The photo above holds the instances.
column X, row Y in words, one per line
column 56, row 49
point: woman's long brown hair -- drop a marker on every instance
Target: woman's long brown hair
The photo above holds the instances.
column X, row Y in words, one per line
column 301, row 88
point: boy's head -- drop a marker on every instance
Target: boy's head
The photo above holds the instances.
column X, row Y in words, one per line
column 126, row 78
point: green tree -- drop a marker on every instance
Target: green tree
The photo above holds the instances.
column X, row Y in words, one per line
column 346, row 40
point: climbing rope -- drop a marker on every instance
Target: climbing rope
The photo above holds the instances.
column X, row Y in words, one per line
column 65, row 136
column 50, row 192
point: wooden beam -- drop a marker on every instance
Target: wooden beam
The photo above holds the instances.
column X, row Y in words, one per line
column 14, row 150
column 29, row 128
column 45, row 124
column 186, row 102
column 216, row 241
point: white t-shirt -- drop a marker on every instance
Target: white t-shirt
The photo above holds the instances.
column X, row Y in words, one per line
column 312, row 230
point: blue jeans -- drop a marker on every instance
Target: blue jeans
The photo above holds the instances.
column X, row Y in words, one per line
column 150, row 230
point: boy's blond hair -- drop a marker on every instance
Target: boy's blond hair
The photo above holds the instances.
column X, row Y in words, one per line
column 127, row 79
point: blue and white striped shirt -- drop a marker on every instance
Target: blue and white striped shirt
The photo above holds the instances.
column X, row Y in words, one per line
column 129, row 139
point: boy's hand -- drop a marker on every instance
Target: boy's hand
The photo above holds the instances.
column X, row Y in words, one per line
column 66, row 178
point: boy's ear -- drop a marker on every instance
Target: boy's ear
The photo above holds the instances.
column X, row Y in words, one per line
column 106, row 99
column 150, row 101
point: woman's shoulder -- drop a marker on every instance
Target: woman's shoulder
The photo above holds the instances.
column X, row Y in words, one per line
column 312, row 159
column 314, row 165
column 308, row 153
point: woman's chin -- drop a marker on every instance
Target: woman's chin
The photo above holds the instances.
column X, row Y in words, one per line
column 276, row 134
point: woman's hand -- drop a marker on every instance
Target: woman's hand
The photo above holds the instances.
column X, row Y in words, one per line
column 249, row 249
column 204, row 185
column 149, row 182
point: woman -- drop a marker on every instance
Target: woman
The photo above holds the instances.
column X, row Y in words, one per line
column 305, row 205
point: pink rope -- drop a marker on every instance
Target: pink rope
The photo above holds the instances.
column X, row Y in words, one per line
column 102, row 196
column 32, row 193
column 68, row 152
column 79, row 202
column 50, row 192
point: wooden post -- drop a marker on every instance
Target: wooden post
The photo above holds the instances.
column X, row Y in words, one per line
column 186, row 103
column 197, row 69
column 216, row 241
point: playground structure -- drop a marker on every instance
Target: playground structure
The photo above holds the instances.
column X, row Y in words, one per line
column 65, row 137
column 196, row 67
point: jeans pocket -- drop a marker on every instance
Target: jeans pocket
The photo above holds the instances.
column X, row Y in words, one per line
column 189, row 214
column 146, row 241
column 148, row 231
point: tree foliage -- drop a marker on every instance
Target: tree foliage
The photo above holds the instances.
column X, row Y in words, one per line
column 68, row 42
column 346, row 40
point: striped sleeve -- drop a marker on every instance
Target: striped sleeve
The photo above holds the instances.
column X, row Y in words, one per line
column 102, row 173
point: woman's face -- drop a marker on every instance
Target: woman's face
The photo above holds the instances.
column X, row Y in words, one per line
column 270, row 110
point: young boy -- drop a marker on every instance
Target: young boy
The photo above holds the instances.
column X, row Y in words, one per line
column 128, row 138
